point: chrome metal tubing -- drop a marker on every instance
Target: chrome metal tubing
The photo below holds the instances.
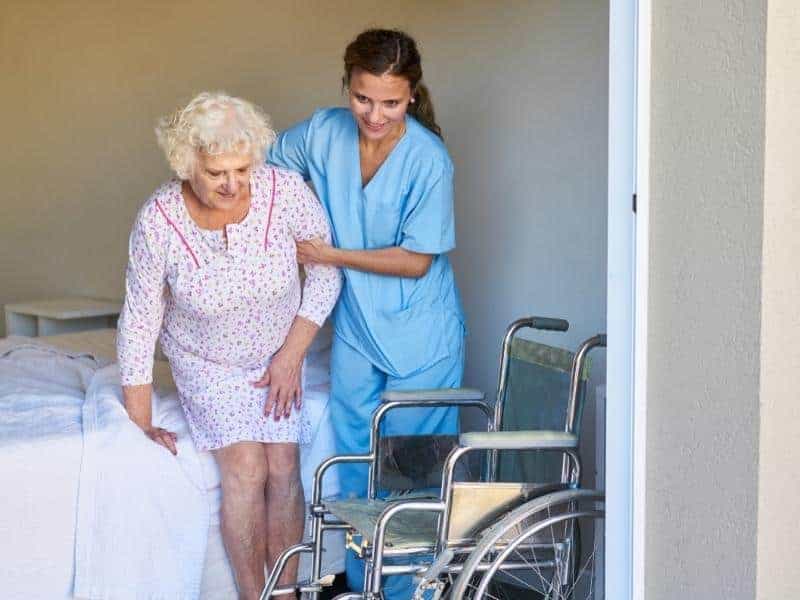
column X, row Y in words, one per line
column 372, row 585
column 317, row 511
column 446, row 493
column 316, row 490
column 578, row 362
column 498, row 561
column 502, row 380
column 385, row 407
column 280, row 564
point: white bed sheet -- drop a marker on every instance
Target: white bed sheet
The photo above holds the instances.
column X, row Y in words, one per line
column 74, row 466
column 217, row 580
column 37, row 521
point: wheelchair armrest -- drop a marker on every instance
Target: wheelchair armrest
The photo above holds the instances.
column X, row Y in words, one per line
column 316, row 490
column 442, row 397
column 519, row 440
column 454, row 395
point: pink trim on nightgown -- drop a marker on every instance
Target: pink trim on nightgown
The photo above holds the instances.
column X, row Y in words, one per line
column 269, row 214
column 178, row 231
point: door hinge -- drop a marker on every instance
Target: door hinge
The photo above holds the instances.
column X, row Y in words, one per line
column 634, row 202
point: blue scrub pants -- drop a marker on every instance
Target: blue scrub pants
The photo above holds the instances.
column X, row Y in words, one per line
column 356, row 387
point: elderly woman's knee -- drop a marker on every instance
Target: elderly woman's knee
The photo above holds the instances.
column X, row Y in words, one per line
column 284, row 463
column 242, row 470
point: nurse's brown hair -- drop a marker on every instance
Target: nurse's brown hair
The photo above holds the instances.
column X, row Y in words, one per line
column 392, row 52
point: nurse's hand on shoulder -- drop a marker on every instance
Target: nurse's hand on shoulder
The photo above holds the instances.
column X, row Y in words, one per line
column 283, row 378
column 313, row 252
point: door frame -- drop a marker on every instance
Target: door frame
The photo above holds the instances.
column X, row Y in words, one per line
column 628, row 242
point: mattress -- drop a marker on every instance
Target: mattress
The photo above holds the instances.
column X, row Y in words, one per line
column 218, row 579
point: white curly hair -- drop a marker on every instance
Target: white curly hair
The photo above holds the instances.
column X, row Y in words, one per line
column 213, row 123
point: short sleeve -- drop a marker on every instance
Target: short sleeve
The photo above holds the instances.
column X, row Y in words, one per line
column 429, row 226
column 290, row 150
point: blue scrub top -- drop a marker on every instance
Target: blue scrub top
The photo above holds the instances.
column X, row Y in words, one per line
column 402, row 325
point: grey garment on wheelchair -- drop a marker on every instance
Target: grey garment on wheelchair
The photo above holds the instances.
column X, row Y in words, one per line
column 413, row 462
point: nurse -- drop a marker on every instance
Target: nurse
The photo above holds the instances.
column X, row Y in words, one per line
column 385, row 179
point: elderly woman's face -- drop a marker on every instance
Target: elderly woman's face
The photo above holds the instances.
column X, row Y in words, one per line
column 379, row 103
column 222, row 181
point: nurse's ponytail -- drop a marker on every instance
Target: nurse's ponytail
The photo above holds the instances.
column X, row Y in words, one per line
column 392, row 52
column 422, row 109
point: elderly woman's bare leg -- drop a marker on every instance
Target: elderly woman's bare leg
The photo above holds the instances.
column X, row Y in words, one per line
column 245, row 474
column 284, row 496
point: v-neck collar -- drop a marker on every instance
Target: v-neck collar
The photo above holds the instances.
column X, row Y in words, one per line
column 380, row 169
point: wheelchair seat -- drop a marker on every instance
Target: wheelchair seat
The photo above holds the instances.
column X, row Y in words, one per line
column 475, row 505
column 408, row 532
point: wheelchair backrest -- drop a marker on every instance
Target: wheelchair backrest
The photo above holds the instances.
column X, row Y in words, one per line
column 537, row 397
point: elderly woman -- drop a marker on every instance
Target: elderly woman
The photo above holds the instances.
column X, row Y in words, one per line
column 213, row 270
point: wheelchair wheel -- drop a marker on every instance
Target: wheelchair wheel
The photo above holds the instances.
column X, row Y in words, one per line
column 533, row 552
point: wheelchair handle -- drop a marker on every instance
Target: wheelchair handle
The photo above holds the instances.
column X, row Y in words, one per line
column 545, row 323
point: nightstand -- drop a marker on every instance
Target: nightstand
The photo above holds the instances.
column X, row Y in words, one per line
column 60, row 315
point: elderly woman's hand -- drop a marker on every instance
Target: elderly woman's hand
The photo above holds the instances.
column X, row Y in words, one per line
column 283, row 378
column 162, row 437
column 314, row 252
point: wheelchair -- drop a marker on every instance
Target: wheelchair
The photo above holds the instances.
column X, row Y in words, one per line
column 476, row 536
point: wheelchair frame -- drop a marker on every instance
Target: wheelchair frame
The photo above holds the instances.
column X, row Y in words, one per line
column 492, row 440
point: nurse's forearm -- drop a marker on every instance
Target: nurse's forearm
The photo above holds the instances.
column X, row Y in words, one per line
column 386, row 261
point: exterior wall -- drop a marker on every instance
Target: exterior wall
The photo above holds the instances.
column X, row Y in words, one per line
column 779, row 456
column 707, row 207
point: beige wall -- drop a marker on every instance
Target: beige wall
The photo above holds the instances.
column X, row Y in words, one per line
column 520, row 88
column 83, row 84
column 779, row 456
column 723, row 397
column 706, row 215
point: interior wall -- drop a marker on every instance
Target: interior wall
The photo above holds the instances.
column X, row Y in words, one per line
column 707, row 148
column 520, row 89
column 84, row 83
column 779, row 440
column 524, row 97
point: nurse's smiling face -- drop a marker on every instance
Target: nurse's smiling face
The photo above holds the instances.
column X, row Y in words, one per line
column 379, row 103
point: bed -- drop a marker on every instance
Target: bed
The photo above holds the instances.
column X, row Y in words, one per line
column 93, row 509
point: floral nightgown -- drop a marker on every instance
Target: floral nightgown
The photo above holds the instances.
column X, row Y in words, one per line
column 223, row 309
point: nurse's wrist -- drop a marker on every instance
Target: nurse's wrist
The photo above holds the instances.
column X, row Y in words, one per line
column 332, row 256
